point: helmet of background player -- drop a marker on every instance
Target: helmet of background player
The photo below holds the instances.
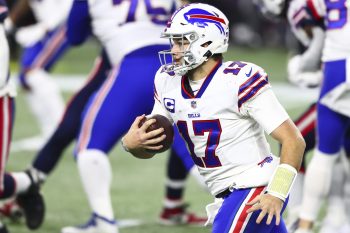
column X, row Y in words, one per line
column 271, row 8
column 204, row 27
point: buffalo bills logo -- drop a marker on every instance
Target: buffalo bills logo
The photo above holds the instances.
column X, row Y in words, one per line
column 268, row 159
column 202, row 18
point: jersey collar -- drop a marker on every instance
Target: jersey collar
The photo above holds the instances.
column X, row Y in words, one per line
column 186, row 89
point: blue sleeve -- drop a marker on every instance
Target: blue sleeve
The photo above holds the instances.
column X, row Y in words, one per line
column 3, row 10
column 79, row 22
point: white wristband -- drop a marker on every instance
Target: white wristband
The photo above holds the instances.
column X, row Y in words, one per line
column 282, row 181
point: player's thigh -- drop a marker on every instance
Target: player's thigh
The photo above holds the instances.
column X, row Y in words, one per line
column 334, row 74
column 331, row 128
column 232, row 216
column 127, row 93
column 331, row 125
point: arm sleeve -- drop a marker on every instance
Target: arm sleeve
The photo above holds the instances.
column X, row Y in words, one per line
column 266, row 110
column 311, row 58
column 3, row 11
column 79, row 23
column 158, row 107
column 317, row 8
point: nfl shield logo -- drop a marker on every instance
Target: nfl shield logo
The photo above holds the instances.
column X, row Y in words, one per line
column 193, row 104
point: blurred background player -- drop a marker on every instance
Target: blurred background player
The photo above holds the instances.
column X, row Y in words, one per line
column 304, row 70
column 129, row 45
column 6, row 112
column 174, row 211
column 8, row 182
column 333, row 109
column 43, row 44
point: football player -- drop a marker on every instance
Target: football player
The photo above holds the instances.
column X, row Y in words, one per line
column 6, row 112
column 304, row 70
column 333, row 109
column 221, row 110
column 8, row 182
column 179, row 164
column 44, row 43
column 127, row 30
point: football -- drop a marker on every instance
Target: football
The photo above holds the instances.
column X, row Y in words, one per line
column 161, row 122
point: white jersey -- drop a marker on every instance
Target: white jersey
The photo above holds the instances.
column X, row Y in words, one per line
column 304, row 69
column 51, row 12
column 336, row 16
column 125, row 25
column 224, row 123
column 6, row 87
column 298, row 16
column 4, row 57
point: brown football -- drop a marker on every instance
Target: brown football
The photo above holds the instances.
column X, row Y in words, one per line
column 161, row 122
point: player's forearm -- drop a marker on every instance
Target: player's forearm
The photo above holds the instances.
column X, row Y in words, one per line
column 292, row 151
column 292, row 143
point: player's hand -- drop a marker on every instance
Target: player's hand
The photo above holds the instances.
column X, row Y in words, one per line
column 269, row 205
column 29, row 35
column 138, row 139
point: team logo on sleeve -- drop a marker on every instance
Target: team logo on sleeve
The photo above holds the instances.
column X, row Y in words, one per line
column 169, row 104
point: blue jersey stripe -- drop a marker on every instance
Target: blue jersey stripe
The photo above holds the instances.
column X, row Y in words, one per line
column 204, row 86
column 249, row 82
column 252, row 92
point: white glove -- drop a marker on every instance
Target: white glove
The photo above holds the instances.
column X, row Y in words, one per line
column 28, row 36
column 9, row 26
column 307, row 79
column 293, row 67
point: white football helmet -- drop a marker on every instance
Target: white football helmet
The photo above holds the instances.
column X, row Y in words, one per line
column 207, row 30
column 271, row 7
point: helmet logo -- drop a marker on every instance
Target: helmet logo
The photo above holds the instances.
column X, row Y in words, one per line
column 202, row 17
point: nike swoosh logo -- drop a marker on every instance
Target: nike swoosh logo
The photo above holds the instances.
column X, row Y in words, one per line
column 250, row 72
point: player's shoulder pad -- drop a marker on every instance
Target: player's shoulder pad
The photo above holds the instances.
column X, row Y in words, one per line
column 162, row 78
column 243, row 71
column 161, row 75
column 317, row 8
column 250, row 79
column 250, row 75
column 300, row 15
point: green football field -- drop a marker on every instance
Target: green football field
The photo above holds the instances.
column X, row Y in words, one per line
column 138, row 185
